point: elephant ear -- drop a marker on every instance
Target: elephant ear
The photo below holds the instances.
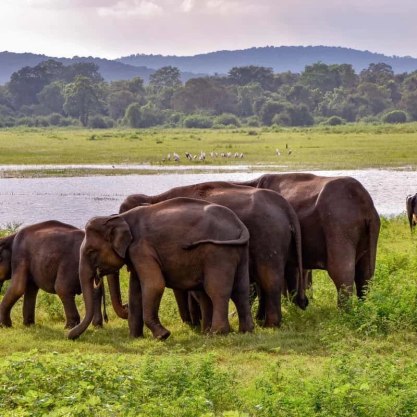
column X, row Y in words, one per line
column 410, row 203
column 119, row 235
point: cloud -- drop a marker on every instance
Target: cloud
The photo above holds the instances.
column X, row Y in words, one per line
column 187, row 5
column 136, row 8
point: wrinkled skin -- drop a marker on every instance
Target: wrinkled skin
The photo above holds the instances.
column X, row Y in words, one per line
column 182, row 244
column 339, row 225
column 411, row 206
column 44, row 256
column 274, row 246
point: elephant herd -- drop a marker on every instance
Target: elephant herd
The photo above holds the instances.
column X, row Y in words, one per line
column 210, row 242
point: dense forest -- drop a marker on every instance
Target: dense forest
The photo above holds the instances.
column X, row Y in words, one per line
column 51, row 93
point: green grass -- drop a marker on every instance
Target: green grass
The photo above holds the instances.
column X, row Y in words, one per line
column 341, row 147
column 321, row 362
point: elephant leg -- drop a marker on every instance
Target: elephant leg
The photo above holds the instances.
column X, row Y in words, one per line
column 181, row 298
column 195, row 310
column 362, row 276
column 135, row 316
column 14, row 292
column 72, row 317
column 29, row 303
column 205, row 308
column 98, row 296
column 270, row 279
column 341, row 268
column 153, row 285
column 218, row 285
column 260, row 313
column 240, row 296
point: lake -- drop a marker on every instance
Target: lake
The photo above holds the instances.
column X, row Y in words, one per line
column 74, row 200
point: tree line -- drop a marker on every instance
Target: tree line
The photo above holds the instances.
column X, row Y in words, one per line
column 51, row 93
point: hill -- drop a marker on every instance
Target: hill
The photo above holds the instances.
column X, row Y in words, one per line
column 282, row 58
column 110, row 70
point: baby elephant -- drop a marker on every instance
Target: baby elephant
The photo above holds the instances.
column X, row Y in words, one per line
column 45, row 256
column 181, row 243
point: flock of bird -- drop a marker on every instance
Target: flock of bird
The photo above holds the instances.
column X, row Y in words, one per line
column 202, row 155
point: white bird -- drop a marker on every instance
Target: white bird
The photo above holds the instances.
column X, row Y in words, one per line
column 176, row 157
column 169, row 157
column 278, row 152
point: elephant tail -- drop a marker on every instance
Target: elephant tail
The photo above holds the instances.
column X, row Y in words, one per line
column 301, row 297
column 373, row 226
column 241, row 240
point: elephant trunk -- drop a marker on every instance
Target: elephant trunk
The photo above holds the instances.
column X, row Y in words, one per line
column 115, row 296
column 87, row 275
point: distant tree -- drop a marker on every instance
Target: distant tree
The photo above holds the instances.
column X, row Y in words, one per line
column 84, row 69
column 246, row 97
column 204, row 94
column 52, row 97
column 378, row 96
column 82, row 98
column 299, row 94
column 118, row 101
column 165, row 77
column 395, row 116
column 270, row 109
column 133, row 116
column 252, row 74
column 377, row 73
column 321, row 76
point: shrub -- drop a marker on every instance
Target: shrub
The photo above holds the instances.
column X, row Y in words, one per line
column 227, row 119
column 253, row 121
column 395, row 116
column 335, row 121
column 282, row 119
column 97, row 122
column 198, row 121
column 55, row 119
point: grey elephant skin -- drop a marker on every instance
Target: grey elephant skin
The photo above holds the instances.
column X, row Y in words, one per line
column 411, row 207
column 45, row 256
column 274, row 246
column 339, row 225
column 183, row 244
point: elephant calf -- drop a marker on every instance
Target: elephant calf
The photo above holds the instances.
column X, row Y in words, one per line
column 46, row 256
column 183, row 244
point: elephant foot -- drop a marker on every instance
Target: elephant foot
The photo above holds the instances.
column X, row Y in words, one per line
column 29, row 323
column 220, row 329
column 6, row 322
column 161, row 333
column 247, row 327
column 301, row 302
column 98, row 323
column 71, row 324
column 136, row 334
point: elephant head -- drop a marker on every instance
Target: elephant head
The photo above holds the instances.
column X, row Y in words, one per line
column 103, row 252
column 411, row 207
column 6, row 258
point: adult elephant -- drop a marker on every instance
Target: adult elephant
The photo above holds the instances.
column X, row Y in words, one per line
column 184, row 244
column 46, row 256
column 274, row 246
column 411, row 205
column 339, row 225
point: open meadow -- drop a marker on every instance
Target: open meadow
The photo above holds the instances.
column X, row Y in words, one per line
column 361, row 361
column 321, row 147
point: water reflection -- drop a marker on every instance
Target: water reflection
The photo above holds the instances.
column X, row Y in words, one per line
column 76, row 199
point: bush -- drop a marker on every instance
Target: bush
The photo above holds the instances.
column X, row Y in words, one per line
column 55, row 119
column 253, row 121
column 227, row 119
column 395, row 116
column 335, row 121
column 97, row 122
column 282, row 119
column 198, row 121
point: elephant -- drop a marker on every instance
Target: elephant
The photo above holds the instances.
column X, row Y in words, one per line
column 274, row 246
column 411, row 210
column 339, row 226
column 184, row 244
column 46, row 256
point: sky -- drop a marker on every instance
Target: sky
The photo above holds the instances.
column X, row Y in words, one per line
column 115, row 28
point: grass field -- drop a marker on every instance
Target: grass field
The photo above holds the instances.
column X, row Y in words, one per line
column 321, row 362
column 342, row 147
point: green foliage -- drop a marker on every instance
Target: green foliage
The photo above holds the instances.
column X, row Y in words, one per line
column 395, row 116
column 78, row 385
column 335, row 121
column 227, row 119
column 198, row 121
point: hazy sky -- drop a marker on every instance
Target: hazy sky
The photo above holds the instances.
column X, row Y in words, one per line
column 113, row 28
